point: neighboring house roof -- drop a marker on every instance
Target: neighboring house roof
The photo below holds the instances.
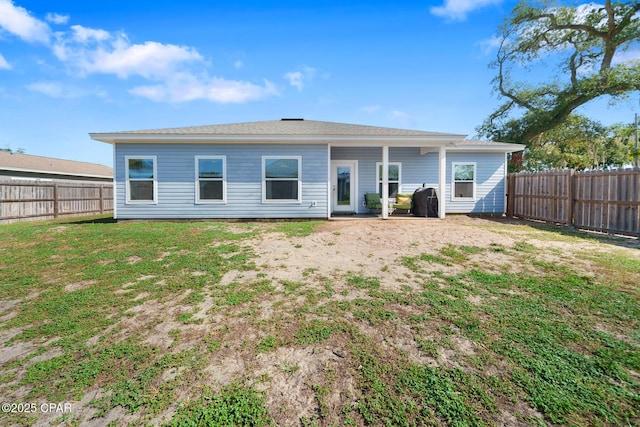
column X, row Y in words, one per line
column 26, row 163
column 298, row 131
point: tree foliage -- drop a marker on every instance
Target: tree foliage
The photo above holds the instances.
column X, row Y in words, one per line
column 585, row 44
column 581, row 143
column 10, row 150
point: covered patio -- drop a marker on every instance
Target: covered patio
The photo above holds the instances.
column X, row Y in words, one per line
column 358, row 167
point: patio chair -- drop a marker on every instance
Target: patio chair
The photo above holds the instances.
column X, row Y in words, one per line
column 403, row 202
column 372, row 201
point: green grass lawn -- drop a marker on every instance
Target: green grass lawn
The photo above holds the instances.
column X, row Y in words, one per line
column 177, row 323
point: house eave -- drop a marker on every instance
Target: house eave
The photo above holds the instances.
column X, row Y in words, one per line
column 489, row 148
column 452, row 142
column 364, row 140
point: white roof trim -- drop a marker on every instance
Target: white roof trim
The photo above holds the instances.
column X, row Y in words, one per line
column 495, row 147
column 112, row 138
column 450, row 141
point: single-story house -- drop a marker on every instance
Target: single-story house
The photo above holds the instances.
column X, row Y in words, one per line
column 19, row 166
column 296, row 168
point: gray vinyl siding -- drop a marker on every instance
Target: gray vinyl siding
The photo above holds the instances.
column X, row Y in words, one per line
column 416, row 169
column 490, row 183
column 176, row 181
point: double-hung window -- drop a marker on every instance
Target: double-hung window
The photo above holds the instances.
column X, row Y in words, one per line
column 464, row 181
column 395, row 170
column 211, row 179
column 281, row 178
column 141, row 175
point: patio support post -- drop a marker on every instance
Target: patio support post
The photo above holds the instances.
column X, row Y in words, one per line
column 329, row 192
column 442, row 180
column 385, row 182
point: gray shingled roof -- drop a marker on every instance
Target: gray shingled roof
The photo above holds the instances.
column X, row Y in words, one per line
column 301, row 131
column 291, row 127
column 30, row 163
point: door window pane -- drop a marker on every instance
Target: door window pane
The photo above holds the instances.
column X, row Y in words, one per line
column 344, row 186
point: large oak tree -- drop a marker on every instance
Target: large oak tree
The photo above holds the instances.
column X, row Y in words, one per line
column 581, row 51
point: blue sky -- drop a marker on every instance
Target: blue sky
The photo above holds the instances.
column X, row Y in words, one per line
column 72, row 67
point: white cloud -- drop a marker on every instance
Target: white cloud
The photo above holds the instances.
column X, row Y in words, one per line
column 397, row 114
column 174, row 73
column 400, row 116
column 19, row 22
column 86, row 35
column 185, row 87
column 151, row 59
column 90, row 50
column 457, row 10
column 56, row 18
column 60, row 90
column 298, row 78
column 626, row 57
column 51, row 89
column 4, row 65
column 238, row 64
column 370, row 109
column 490, row 45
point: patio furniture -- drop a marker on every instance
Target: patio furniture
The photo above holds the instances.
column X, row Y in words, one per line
column 403, row 202
column 372, row 201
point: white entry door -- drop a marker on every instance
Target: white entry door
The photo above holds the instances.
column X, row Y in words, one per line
column 344, row 188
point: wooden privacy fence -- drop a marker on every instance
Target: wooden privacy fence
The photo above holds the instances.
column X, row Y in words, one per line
column 605, row 201
column 20, row 201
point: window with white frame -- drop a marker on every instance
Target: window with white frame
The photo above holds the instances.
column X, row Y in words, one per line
column 281, row 178
column 464, row 181
column 395, row 173
column 141, row 179
column 211, row 179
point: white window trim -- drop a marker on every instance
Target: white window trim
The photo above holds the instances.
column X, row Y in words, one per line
column 379, row 178
column 453, row 182
column 128, row 180
column 264, row 180
column 224, row 180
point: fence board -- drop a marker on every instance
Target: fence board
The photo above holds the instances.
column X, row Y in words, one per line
column 605, row 201
column 21, row 201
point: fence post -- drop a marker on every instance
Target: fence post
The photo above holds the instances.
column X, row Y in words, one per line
column 56, row 208
column 571, row 202
column 510, row 191
column 101, row 199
